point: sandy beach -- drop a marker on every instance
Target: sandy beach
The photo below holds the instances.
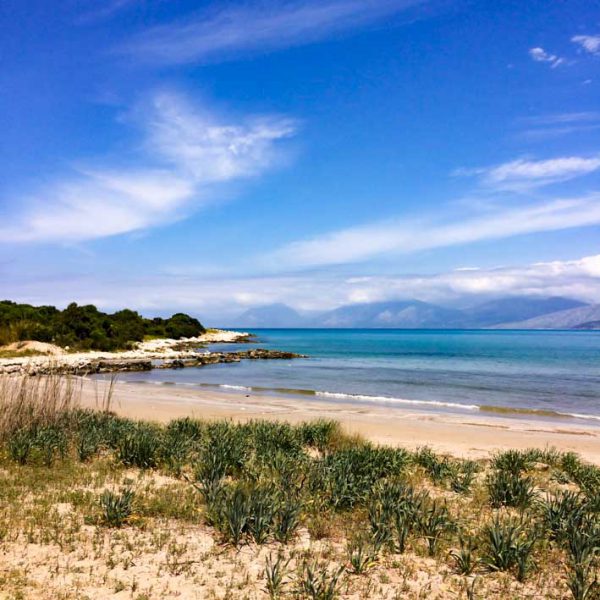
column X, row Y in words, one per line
column 473, row 435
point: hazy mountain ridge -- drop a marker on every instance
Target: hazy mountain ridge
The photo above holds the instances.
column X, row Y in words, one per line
column 512, row 312
column 583, row 317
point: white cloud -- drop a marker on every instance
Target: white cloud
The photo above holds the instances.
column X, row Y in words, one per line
column 217, row 35
column 540, row 55
column 563, row 118
column 522, row 174
column 541, row 172
column 590, row 43
column 218, row 300
column 366, row 242
column 192, row 150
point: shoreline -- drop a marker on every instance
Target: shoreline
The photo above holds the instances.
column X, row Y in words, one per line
column 469, row 435
column 162, row 353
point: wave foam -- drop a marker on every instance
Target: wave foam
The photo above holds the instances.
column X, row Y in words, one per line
column 242, row 388
column 389, row 399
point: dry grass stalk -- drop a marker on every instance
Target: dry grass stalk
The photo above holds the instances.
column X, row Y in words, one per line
column 27, row 402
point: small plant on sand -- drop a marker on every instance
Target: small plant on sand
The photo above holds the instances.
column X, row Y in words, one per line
column 464, row 558
column 507, row 488
column 234, row 514
column 275, row 574
column 513, row 461
column 287, row 518
column 462, row 476
column 262, row 506
column 434, row 521
column 508, row 547
column 561, row 513
column 318, row 583
column 583, row 550
column 116, row 508
column 362, row 555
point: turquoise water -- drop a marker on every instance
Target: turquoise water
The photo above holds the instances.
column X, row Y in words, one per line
column 545, row 371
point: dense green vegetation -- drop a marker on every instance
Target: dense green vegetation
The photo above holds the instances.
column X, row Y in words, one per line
column 86, row 327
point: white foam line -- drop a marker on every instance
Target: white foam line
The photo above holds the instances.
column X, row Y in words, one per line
column 235, row 387
column 581, row 416
column 341, row 396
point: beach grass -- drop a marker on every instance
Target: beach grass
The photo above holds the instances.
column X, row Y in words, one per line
column 96, row 505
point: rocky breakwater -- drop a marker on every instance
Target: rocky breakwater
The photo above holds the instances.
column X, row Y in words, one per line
column 91, row 365
column 212, row 358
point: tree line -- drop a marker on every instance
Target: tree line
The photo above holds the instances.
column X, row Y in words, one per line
column 87, row 328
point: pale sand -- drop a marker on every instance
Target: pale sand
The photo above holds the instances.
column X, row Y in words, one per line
column 473, row 435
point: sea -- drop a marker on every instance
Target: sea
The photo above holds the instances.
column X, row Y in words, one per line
column 545, row 374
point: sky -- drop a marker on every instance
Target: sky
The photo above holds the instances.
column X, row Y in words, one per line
column 215, row 156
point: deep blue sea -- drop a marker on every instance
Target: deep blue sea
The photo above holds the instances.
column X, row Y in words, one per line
column 549, row 372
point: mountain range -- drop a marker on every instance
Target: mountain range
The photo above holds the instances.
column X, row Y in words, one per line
column 518, row 312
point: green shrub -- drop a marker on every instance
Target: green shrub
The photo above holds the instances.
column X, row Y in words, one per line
column 319, row 434
column 140, row 447
column 433, row 522
column 116, row 508
column 513, row 461
column 509, row 488
column 20, row 445
column 508, row 547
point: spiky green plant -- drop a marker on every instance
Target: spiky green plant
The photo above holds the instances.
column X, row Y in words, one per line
column 362, row 555
column 513, row 461
column 318, row 583
column 262, row 507
column 140, row 447
column 234, row 514
column 434, row 521
column 275, row 574
column 509, row 488
column 287, row 518
column 508, row 546
column 464, row 558
column 116, row 508
column 20, row 445
column 462, row 475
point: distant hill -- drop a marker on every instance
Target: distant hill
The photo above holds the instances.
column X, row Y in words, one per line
column 582, row 317
column 410, row 315
column 516, row 308
column 271, row 315
column 510, row 312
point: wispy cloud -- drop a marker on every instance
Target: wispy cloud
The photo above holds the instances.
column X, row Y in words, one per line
column 540, row 55
column 256, row 26
column 560, row 124
column 589, row 43
column 523, row 174
column 189, row 152
column 563, row 118
column 365, row 242
column 107, row 10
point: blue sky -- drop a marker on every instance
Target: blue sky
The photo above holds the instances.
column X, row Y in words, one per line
column 213, row 156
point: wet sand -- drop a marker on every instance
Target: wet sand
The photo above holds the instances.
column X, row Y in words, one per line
column 474, row 435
